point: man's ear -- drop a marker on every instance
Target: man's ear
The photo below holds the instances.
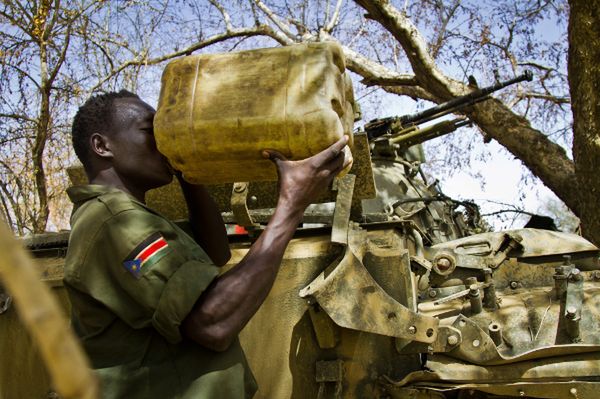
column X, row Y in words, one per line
column 101, row 145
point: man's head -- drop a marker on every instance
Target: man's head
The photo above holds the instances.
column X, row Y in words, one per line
column 113, row 137
column 96, row 115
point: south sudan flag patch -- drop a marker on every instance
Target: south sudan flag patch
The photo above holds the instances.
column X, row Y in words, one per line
column 148, row 252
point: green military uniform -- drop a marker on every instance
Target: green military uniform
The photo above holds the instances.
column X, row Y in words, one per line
column 132, row 277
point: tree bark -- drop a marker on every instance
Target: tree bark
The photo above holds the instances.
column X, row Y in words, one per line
column 584, row 83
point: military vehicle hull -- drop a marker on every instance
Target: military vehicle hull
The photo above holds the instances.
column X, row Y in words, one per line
column 333, row 328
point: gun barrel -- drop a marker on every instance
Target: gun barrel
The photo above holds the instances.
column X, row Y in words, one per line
column 415, row 135
column 467, row 99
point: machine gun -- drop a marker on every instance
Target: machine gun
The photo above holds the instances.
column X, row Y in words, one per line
column 404, row 130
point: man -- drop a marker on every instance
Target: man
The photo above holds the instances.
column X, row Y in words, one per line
column 154, row 315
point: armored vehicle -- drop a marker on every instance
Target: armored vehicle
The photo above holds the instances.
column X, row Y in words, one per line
column 389, row 290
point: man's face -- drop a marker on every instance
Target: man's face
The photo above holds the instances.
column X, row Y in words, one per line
column 136, row 158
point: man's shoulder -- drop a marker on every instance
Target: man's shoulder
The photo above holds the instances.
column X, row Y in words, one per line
column 105, row 206
column 108, row 225
column 111, row 203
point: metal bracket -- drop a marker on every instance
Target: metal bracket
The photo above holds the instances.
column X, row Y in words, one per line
column 354, row 300
column 343, row 204
column 573, row 305
column 511, row 242
column 445, row 259
column 239, row 205
column 448, row 338
column 331, row 371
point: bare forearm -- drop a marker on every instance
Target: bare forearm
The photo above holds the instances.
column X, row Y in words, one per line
column 206, row 222
column 228, row 304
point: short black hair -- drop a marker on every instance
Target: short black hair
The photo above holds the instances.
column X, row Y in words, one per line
column 95, row 116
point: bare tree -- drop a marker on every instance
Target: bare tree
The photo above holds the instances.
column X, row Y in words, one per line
column 424, row 50
column 35, row 39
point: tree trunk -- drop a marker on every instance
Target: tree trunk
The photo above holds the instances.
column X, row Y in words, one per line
column 41, row 137
column 584, row 83
column 41, row 219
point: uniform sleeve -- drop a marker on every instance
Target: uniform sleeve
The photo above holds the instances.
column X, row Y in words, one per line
column 146, row 272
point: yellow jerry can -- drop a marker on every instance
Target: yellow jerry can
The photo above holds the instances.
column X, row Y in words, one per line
column 217, row 112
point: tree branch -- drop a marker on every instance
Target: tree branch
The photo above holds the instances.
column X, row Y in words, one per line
column 373, row 73
column 226, row 17
column 262, row 30
column 415, row 47
column 61, row 57
column 558, row 100
column 18, row 116
column 25, row 74
column 414, row 92
column 334, row 18
column 284, row 28
column 444, row 19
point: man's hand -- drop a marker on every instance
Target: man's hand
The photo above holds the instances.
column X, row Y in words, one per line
column 301, row 182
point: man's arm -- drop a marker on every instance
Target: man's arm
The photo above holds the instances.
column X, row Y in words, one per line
column 233, row 298
column 206, row 222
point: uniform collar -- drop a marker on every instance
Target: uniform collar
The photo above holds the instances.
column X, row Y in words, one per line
column 83, row 193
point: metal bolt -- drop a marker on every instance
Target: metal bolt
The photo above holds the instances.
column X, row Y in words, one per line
column 521, row 392
column 412, row 329
column 573, row 391
column 443, row 264
column 571, row 312
column 432, row 293
column 252, row 200
column 473, row 290
column 452, row 340
column 575, row 274
column 476, row 343
column 470, row 281
column 475, row 298
column 514, row 285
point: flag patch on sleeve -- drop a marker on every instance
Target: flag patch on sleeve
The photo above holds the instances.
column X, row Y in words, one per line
column 145, row 254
